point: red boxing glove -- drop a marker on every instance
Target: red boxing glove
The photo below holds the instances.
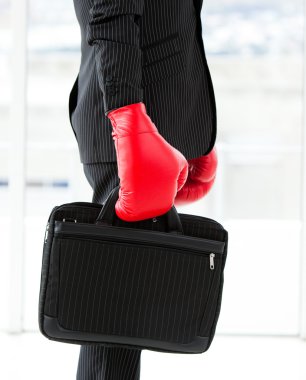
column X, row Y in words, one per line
column 151, row 171
column 201, row 176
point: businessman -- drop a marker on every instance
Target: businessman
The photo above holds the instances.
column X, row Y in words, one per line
column 143, row 113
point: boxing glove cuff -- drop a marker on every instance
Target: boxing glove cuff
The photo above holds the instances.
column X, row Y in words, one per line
column 131, row 119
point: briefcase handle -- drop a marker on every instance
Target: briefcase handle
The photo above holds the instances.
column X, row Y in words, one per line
column 107, row 214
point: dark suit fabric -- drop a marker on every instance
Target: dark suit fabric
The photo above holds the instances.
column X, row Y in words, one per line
column 149, row 51
column 132, row 51
column 98, row 362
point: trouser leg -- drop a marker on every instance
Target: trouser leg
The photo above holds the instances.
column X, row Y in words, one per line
column 98, row 362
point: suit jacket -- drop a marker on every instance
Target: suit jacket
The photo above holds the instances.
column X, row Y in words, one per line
column 142, row 50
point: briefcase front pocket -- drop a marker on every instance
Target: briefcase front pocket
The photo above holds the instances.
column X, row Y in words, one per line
column 145, row 289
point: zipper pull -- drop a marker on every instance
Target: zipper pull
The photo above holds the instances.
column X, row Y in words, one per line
column 46, row 233
column 211, row 259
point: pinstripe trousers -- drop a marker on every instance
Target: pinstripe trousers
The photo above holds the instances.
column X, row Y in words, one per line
column 98, row 362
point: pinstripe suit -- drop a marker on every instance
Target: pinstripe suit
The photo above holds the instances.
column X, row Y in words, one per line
column 132, row 51
column 150, row 51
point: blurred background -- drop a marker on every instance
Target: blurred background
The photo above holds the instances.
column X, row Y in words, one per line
column 255, row 51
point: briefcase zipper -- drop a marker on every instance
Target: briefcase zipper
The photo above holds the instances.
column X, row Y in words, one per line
column 212, row 263
column 82, row 204
column 155, row 237
column 200, row 218
column 46, row 233
column 99, row 205
column 147, row 243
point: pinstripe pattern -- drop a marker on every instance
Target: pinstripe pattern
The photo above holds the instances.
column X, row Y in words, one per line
column 150, row 51
column 137, row 51
column 168, row 311
column 99, row 362
column 95, row 285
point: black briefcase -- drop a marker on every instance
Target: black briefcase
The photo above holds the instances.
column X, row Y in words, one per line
column 154, row 284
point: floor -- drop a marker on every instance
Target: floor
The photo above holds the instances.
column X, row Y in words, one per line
column 32, row 356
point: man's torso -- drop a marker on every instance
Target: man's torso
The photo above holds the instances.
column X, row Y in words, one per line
column 176, row 83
